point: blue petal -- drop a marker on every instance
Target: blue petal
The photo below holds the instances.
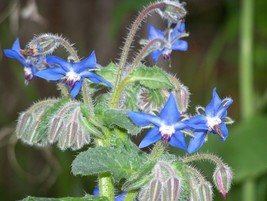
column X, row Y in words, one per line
column 15, row 55
column 94, row 78
column 198, row 122
column 180, row 45
column 170, row 113
column 76, row 89
column 52, row 60
column 155, row 55
column 154, row 33
column 178, row 140
column 224, row 130
column 152, row 136
column 212, row 108
column 196, row 142
column 177, row 31
column 16, row 45
column 120, row 197
column 96, row 190
column 222, row 112
column 51, row 73
column 87, row 63
column 143, row 119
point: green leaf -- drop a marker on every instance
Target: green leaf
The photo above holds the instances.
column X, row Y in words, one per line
column 108, row 73
column 120, row 119
column 119, row 162
column 151, row 77
column 86, row 198
column 245, row 148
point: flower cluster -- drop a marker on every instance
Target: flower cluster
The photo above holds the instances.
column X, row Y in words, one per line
column 37, row 64
column 168, row 126
column 139, row 96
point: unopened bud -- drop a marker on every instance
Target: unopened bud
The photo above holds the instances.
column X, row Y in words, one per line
column 43, row 44
column 222, row 178
column 173, row 11
column 205, row 191
column 183, row 98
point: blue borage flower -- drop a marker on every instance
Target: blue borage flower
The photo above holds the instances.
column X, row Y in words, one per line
column 213, row 120
column 167, row 126
column 171, row 38
column 73, row 72
column 119, row 197
column 32, row 63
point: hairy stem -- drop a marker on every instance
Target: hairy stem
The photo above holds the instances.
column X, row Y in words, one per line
column 105, row 181
column 197, row 174
column 128, row 42
column 210, row 157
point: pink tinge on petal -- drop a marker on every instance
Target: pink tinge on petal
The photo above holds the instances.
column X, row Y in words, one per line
column 221, row 186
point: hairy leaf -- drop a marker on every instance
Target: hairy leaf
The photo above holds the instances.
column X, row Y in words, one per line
column 151, row 77
column 86, row 198
column 119, row 162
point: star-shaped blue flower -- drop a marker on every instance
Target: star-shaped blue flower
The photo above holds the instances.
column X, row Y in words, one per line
column 31, row 63
column 171, row 38
column 74, row 73
column 167, row 126
column 213, row 120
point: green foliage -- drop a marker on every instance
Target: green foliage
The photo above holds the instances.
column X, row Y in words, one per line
column 86, row 198
column 151, row 77
column 119, row 162
column 109, row 73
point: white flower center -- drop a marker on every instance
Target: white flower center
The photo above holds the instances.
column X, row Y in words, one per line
column 212, row 122
column 72, row 77
column 27, row 71
column 166, row 132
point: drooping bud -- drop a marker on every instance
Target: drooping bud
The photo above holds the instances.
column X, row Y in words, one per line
column 29, row 122
column 173, row 11
column 222, row 177
column 194, row 191
column 182, row 94
column 183, row 98
column 43, row 44
column 165, row 184
column 65, row 129
column 205, row 191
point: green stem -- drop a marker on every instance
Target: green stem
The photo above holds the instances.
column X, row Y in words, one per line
column 246, row 78
column 197, row 174
column 130, row 196
column 210, row 157
column 158, row 149
column 246, row 53
column 105, row 180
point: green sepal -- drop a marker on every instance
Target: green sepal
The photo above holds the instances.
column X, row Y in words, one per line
column 85, row 198
column 140, row 178
column 119, row 162
column 90, row 122
column 151, row 77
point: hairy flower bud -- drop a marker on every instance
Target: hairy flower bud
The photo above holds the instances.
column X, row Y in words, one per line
column 205, row 191
column 173, row 11
column 43, row 44
column 165, row 184
column 222, row 178
column 182, row 95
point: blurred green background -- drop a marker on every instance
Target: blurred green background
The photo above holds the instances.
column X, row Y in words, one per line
column 227, row 50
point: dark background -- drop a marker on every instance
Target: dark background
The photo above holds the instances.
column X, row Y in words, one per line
column 213, row 60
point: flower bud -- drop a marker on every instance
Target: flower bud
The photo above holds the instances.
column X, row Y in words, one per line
column 182, row 95
column 205, row 191
column 222, row 178
column 173, row 11
column 43, row 44
column 165, row 184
